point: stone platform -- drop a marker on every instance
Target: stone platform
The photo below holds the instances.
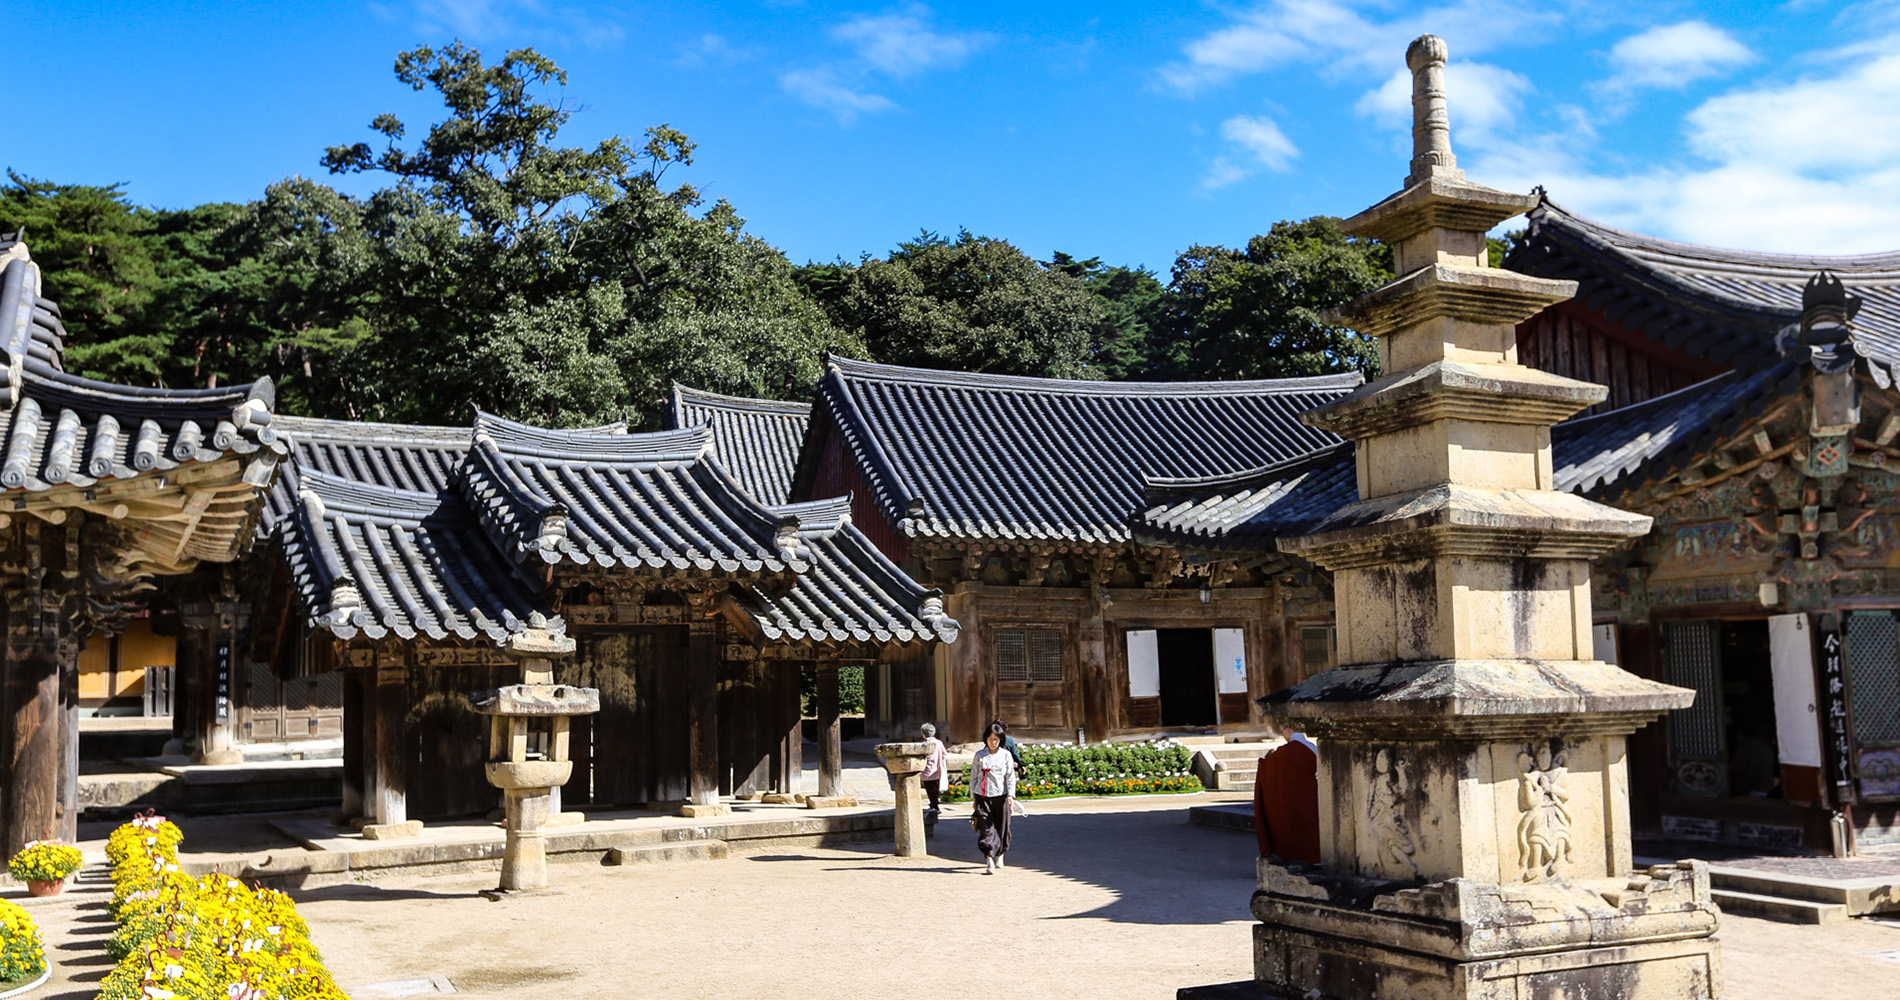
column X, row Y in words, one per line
column 1860, row 886
column 114, row 790
column 328, row 855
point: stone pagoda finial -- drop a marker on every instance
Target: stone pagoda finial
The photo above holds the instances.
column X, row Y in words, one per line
column 1431, row 126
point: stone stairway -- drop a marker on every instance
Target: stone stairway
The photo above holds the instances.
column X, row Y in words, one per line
column 1230, row 767
column 1807, row 890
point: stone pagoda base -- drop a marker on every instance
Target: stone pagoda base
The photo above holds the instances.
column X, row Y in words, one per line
column 1331, row 937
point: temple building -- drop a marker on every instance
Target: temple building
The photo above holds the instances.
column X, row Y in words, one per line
column 400, row 559
column 106, row 488
column 1013, row 496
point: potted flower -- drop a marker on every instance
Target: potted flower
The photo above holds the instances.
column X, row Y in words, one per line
column 44, row 864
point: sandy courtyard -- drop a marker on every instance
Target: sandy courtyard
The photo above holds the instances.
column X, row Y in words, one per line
column 1121, row 899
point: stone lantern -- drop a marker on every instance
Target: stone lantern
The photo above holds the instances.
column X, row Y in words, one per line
column 528, row 747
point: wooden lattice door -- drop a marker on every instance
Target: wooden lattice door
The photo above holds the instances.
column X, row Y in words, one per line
column 1030, row 686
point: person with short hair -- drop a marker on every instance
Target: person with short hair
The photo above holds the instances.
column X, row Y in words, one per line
column 935, row 767
column 1001, row 728
column 992, row 790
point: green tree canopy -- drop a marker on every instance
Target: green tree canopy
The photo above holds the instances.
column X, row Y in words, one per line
column 557, row 284
column 1129, row 343
column 1255, row 312
column 972, row 304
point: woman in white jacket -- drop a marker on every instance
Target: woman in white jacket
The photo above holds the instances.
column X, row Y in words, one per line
column 992, row 786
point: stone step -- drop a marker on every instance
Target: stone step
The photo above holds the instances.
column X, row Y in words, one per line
column 1800, row 911
column 679, row 850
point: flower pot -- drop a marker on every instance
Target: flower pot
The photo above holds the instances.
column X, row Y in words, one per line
column 45, row 887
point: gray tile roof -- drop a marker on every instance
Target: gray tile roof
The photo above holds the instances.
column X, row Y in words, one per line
column 1726, row 306
column 852, row 593
column 373, row 560
column 757, row 439
column 960, row 455
column 1600, row 456
column 413, row 531
column 632, row 500
column 65, row 435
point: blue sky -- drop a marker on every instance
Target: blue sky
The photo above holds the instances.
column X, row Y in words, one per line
column 1128, row 131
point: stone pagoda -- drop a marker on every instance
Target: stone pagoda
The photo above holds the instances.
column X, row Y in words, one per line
column 1474, row 803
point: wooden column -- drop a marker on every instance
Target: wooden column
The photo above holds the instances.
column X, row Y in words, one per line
column 67, row 804
column 1099, row 689
column 389, row 804
column 354, row 705
column 702, row 671
column 788, row 757
column 209, row 639
column 830, row 742
column 31, row 752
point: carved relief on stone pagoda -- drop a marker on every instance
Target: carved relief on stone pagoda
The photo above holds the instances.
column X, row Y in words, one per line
column 1388, row 800
column 1543, row 802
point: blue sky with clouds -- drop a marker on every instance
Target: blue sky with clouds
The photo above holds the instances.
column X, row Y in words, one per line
column 1128, row 131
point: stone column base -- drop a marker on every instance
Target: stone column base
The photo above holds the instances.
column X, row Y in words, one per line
column 218, row 758
column 830, row 802
column 392, row 831
column 1322, row 937
column 700, row 810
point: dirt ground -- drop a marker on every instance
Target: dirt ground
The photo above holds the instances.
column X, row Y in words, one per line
column 1108, row 899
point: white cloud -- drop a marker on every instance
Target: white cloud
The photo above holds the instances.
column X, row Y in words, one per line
column 507, row 20
column 1675, row 55
column 1261, row 137
column 1336, row 35
column 822, row 89
column 711, row 50
column 1808, row 166
column 1262, row 142
column 904, row 44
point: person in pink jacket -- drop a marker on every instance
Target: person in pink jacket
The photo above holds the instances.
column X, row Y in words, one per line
column 935, row 769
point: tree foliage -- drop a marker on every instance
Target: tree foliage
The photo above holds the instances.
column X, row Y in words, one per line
column 498, row 268
column 970, row 304
column 1255, row 312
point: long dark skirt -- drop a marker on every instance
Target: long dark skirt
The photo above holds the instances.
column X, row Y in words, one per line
column 992, row 825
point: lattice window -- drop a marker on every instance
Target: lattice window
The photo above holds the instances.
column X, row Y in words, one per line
column 1012, row 655
column 265, row 693
column 1028, row 654
column 1316, row 648
column 326, row 690
column 1045, row 655
column 1695, row 733
column 1873, row 665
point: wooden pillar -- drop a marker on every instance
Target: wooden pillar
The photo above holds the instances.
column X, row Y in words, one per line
column 389, row 806
column 209, row 638
column 354, row 706
column 702, row 671
column 31, row 752
column 1098, row 684
column 830, row 742
column 67, row 804
column 788, row 756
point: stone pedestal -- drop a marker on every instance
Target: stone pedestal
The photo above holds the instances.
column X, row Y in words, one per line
column 905, row 761
column 1474, row 800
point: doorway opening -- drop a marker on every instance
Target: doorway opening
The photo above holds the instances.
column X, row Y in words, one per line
column 1186, row 660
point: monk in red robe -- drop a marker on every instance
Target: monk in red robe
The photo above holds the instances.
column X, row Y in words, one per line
column 1286, row 800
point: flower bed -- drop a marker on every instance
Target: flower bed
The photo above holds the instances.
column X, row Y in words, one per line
column 208, row 938
column 22, row 953
column 1096, row 769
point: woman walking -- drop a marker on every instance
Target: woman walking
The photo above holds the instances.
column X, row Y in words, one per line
column 992, row 787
